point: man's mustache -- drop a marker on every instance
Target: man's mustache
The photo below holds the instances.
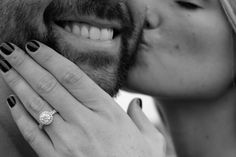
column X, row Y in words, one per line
column 34, row 18
column 103, row 9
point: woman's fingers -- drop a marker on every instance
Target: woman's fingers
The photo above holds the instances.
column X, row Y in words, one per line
column 29, row 129
column 43, row 83
column 32, row 102
column 57, row 131
column 70, row 76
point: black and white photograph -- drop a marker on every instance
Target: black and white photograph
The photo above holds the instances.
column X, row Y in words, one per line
column 117, row 78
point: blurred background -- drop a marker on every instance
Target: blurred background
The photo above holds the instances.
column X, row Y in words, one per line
column 124, row 98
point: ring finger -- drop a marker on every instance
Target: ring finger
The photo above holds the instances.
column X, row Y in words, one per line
column 32, row 102
column 33, row 135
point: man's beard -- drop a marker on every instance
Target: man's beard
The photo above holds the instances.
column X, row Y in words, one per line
column 108, row 71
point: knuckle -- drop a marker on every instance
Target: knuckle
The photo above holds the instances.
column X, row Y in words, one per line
column 12, row 79
column 46, row 57
column 112, row 117
column 36, row 105
column 71, row 78
column 17, row 59
column 30, row 135
column 46, row 84
column 112, row 114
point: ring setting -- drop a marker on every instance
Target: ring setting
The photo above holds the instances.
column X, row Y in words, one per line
column 46, row 118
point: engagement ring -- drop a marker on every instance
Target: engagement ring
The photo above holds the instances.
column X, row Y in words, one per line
column 46, row 118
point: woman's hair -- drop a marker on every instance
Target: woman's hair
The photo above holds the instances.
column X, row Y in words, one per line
column 229, row 7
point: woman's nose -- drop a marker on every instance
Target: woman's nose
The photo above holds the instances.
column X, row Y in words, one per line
column 137, row 10
column 152, row 18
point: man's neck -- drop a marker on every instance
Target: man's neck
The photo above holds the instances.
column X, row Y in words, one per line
column 203, row 129
column 13, row 144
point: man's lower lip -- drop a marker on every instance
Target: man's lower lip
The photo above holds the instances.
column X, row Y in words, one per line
column 111, row 47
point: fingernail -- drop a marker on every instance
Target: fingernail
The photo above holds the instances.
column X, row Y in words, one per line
column 7, row 48
column 140, row 103
column 11, row 101
column 5, row 66
column 32, row 46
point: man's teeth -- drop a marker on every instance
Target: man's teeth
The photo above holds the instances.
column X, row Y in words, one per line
column 90, row 32
column 84, row 31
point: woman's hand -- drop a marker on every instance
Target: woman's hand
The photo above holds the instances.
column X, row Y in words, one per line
column 88, row 122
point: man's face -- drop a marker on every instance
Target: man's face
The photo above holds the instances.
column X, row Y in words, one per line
column 187, row 50
column 97, row 35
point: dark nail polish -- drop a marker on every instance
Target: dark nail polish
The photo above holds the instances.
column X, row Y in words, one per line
column 5, row 66
column 140, row 103
column 7, row 48
column 32, row 46
column 11, row 101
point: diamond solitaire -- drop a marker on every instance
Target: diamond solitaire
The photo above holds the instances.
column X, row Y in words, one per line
column 46, row 118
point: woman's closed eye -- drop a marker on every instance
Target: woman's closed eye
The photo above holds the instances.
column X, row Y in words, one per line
column 188, row 5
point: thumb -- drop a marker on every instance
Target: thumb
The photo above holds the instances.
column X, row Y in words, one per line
column 139, row 118
column 156, row 140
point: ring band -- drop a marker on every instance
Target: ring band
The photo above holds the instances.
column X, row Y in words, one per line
column 46, row 118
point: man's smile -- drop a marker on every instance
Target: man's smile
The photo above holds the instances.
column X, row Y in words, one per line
column 88, row 33
column 100, row 37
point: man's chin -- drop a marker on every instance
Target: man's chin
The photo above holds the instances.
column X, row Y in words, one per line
column 100, row 61
column 107, row 78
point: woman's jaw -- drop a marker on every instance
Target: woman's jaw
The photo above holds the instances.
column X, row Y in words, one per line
column 187, row 52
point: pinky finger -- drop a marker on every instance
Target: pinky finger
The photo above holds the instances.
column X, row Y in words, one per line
column 37, row 139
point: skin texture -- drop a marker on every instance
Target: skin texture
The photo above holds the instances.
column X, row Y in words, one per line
column 184, row 55
column 187, row 61
column 192, row 73
column 36, row 20
column 184, row 58
column 89, row 122
column 25, row 20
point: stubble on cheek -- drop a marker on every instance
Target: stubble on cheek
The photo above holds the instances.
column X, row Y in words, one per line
column 24, row 20
column 7, row 22
column 17, row 17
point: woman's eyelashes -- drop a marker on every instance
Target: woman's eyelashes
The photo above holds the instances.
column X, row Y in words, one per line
column 188, row 5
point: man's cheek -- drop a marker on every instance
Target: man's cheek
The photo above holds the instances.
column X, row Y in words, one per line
column 7, row 20
column 17, row 18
